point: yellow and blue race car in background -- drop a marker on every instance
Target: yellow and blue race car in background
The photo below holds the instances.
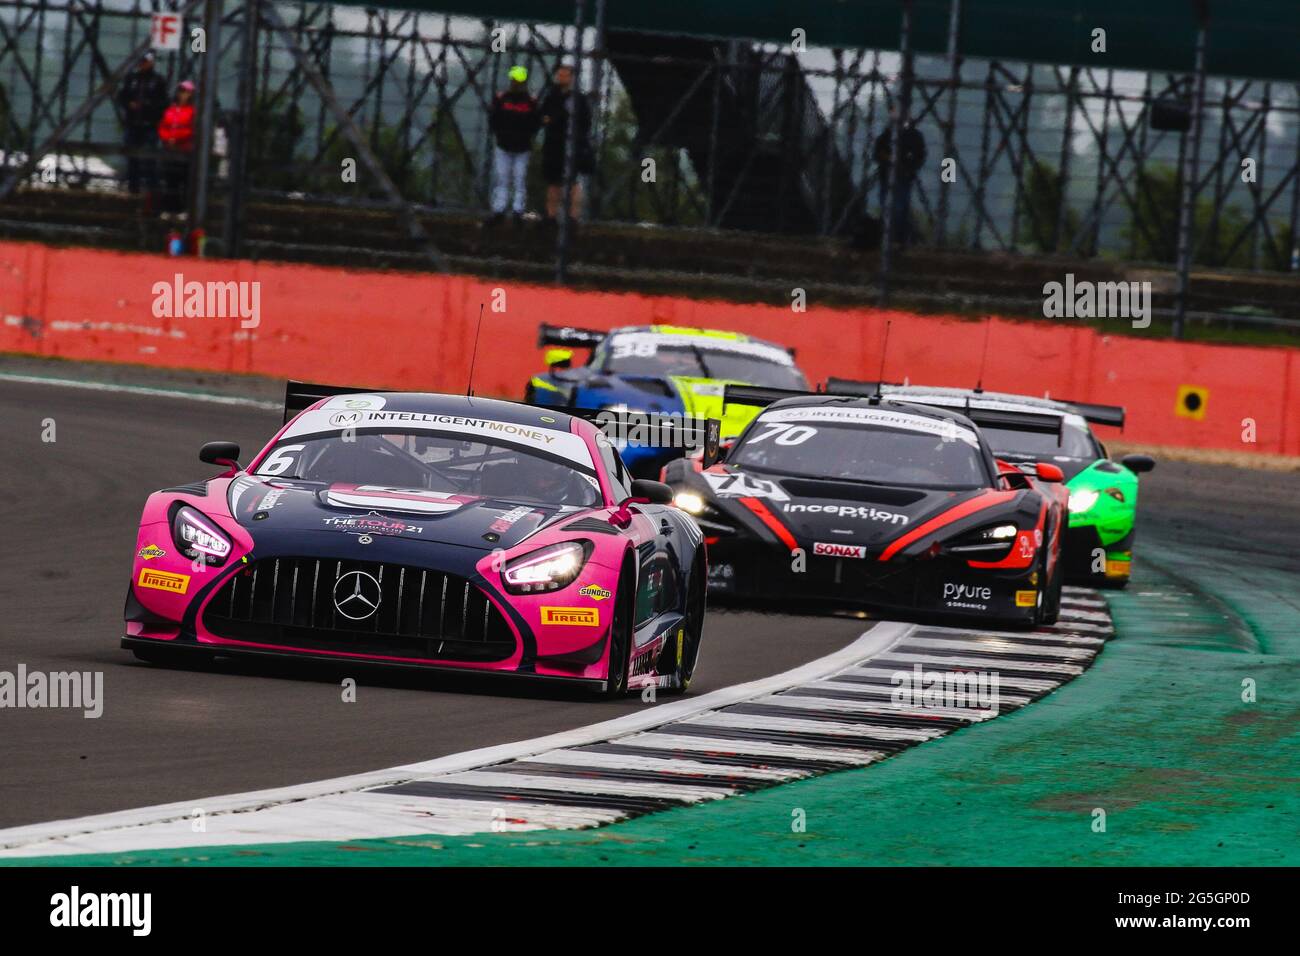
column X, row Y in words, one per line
column 659, row 369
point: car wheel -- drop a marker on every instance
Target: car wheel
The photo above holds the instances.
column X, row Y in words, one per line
column 620, row 634
column 685, row 651
column 1038, row 619
column 1052, row 601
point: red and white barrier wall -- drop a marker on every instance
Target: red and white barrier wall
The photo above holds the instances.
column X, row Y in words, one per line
column 415, row 331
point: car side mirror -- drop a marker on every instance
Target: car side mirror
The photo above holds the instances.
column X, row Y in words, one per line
column 221, row 453
column 559, row 358
column 652, row 492
column 1048, row 472
column 1138, row 463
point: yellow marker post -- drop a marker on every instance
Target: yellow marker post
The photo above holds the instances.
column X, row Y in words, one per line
column 1191, row 402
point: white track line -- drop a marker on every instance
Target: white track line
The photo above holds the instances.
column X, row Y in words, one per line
column 147, row 390
column 795, row 725
column 988, row 644
column 579, row 759
column 1033, row 684
column 836, row 705
column 879, row 695
column 317, row 810
column 591, row 786
column 984, row 663
column 688, row 743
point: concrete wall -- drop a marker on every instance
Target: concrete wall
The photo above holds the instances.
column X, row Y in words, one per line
column 417, row 332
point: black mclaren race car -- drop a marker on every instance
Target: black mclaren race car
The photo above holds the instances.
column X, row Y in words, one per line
column 1103, row 491
column 868, row 502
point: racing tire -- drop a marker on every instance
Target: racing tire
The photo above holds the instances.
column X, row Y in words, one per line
column 683, row 665
column 1039, row 617
column 620, row 634
column 1052, row 603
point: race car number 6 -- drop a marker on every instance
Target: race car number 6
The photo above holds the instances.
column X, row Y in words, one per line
column 280, row 460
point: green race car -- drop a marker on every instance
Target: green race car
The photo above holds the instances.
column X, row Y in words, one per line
column 1103, row 493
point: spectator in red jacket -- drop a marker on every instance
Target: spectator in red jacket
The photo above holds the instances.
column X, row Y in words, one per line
column 176, row 132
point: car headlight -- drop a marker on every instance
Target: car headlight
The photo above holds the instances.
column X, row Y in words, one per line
column 689, row 502
column 198, row 538
column 993, row 541
column 1081, row 501
column 546, row 569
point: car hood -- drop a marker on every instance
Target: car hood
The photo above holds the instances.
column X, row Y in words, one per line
column 262, row 505
column 826, row 511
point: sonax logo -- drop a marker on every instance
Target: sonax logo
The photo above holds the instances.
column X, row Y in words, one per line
column 832, row 549
column 164, row 581
column 574, row 616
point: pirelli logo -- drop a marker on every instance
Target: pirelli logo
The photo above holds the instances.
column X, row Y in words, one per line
column 573, row 616
column 164, row 581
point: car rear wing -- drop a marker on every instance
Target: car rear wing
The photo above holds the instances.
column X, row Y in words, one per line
column 1096, row 414
column 656, row 430
column 758, row 395
column 569, row 336
column 1099, row 414
column 1011, row 421
column 1043, row 423
column 850, row 386
column 301, row 395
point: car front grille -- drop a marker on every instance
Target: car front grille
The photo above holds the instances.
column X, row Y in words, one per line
column 419, row 612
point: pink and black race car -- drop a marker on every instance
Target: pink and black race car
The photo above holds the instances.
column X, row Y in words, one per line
column 425, row 530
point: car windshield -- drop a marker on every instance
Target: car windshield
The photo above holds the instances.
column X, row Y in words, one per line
column 448, row 462
column 1075, row 441
column 754, row 363
column 877, row 454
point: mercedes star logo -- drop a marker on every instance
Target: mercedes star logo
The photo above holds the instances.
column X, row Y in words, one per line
column 356, row 595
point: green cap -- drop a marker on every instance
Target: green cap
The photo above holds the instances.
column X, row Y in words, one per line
column 519, row 74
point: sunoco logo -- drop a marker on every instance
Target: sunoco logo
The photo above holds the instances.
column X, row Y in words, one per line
column 595, row 592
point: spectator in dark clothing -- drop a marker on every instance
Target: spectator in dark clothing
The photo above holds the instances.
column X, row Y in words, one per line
column 555, row 120
column 910, row 161
column 142, row 97
column 176, row 130
column 514, row 120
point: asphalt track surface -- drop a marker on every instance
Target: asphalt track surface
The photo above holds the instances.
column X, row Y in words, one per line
column 174, row 734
